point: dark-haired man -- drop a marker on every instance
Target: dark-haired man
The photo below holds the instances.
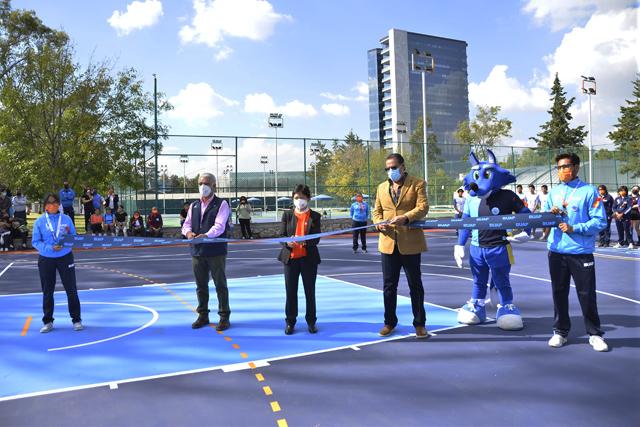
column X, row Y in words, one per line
column 571, row 247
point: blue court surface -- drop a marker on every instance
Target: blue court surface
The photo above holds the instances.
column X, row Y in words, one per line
column 139, row 332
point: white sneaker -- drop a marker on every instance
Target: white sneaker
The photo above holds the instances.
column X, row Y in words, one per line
column 557, row 341
column 617, row 246
column 78, row 326
column 630, row 246
column 598, row 343
column 46, row 328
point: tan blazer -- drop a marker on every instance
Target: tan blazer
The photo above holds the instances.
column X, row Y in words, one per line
column 412, row 203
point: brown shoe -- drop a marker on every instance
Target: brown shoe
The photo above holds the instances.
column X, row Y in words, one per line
column 421, row 332
column 223, row 325
column 386, row 330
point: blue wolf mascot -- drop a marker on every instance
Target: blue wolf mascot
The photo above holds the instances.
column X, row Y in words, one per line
column 490, row 250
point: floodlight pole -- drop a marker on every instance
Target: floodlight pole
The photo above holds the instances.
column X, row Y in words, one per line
column 589, row 89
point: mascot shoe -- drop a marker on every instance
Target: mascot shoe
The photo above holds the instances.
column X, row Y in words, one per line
column 508, row 318
column 472, row 314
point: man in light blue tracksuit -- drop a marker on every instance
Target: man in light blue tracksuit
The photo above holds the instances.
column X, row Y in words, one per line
column 571, row 247
column 359, row 213
column 48, row 232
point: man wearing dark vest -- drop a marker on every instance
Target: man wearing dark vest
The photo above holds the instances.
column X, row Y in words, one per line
column 208, row 217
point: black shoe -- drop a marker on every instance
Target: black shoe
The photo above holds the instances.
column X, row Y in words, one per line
column 200, row 322
column 313, row 329
column 288, row 330
column 223, row 325
column 355, row 251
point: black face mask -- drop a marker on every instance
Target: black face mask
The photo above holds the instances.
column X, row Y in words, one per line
column 19, row 193
column 66, row 186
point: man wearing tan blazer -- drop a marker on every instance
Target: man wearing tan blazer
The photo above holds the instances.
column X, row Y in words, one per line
column 400, row 200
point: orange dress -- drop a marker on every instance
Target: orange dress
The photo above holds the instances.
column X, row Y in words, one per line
column 298, row 250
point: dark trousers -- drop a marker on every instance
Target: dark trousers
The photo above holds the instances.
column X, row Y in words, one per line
column 47, row 268
column 562, row 267
column 624, row 231
column 391, row 266
column 245, row 227
column 605, row 235
column 214, row 266
column 69, row 211
column 87, row 219
column 361, row 234
column 292, row 272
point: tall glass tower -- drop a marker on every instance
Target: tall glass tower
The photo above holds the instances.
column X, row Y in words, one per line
column 395, row 91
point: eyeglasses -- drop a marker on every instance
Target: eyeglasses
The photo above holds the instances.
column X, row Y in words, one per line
column 566, row 166
column 388, row 169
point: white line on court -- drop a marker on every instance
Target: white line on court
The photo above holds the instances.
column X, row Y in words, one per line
column 6, row 268
column 153, row 320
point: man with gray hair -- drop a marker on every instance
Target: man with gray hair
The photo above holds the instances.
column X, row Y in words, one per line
column 208, row 217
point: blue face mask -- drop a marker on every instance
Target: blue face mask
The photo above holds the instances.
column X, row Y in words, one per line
column 394, row 174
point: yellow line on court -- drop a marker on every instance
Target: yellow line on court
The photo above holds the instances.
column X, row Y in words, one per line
column 260, row 377
column 25, row 328
column 267, row 390
column 275, row 406
column 282, row 423
column 236, row 346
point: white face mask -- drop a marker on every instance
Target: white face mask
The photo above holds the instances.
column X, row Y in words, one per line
column 205, row 190
column 300, row 204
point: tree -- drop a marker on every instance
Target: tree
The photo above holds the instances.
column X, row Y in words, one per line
column 20, row 30
column 348, row 161
column 556, row 133
column 484, row 131
column 417, row 141
column 59, row 121
column 626, row 135
column 320, row 166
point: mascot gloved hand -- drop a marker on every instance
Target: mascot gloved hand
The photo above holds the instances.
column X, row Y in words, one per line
column 521, row 237
column 490, row 250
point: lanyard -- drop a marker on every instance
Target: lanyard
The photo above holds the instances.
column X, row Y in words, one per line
column 55, row 234
column 565, row 200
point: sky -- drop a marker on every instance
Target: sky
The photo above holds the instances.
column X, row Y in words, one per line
column 226, row 64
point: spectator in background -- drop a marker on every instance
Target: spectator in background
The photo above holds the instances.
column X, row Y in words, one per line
column 87, row 205
column 136, row 225
column 521, row 194
column 121, row 221
column 243, row 213
column 359, row 213
column 621, row 210
column 6, row 242
column 112, row 200
column 154, row 223
column 458, row 204
column 544, row 194
column 67, row 196
column 98, row 201
column 607, row 201
column 533, row 203
column 109, row 226
column 19, row 231
column 634, row 215
column 5, row 199
column 183, row 212
column 20, row 207
column 97, row 222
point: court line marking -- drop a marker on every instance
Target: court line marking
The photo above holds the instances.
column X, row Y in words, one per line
column 230, row 367
column 153, row 320
column 25, row 328
column 6, row 268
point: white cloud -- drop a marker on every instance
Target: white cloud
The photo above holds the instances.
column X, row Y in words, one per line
column 335, row 109
column 264, row 103
column 507, row 92
column 567, row 13
column 223, row 53
column 216, row 20
column 361, row 88
column 139, row 14
column 197, row 103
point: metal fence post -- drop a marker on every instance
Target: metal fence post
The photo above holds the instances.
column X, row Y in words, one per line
column 236, row 169
column 304, row 156
column 369, row 175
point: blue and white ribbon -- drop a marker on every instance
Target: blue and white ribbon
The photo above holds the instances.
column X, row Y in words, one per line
column 499, row 222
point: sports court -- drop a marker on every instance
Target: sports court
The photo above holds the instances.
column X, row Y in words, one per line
column 139, row 361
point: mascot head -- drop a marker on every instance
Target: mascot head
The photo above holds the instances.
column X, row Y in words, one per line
column 486, row 176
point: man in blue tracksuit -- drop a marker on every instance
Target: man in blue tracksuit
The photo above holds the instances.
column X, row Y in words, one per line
column 359, row 213
column 571, row 247
column 48, row 232
column 67, row 196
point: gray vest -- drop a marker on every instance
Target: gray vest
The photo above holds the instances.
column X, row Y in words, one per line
column 202, row 226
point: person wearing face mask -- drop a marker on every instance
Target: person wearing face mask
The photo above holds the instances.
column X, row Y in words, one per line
column 20, row 206
column 243, row 212
column 87, row 206
column 48, row 232
column 621, row 211
column 359, row 213
column 209, row 217
column 400, row 200
column 5, row 200
column 571, row 247
column 607, row 202
column 154, row 223
column 634, row 214
column 67, row 196
column 136, row 225
column 112, row 200
column 300, row 258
